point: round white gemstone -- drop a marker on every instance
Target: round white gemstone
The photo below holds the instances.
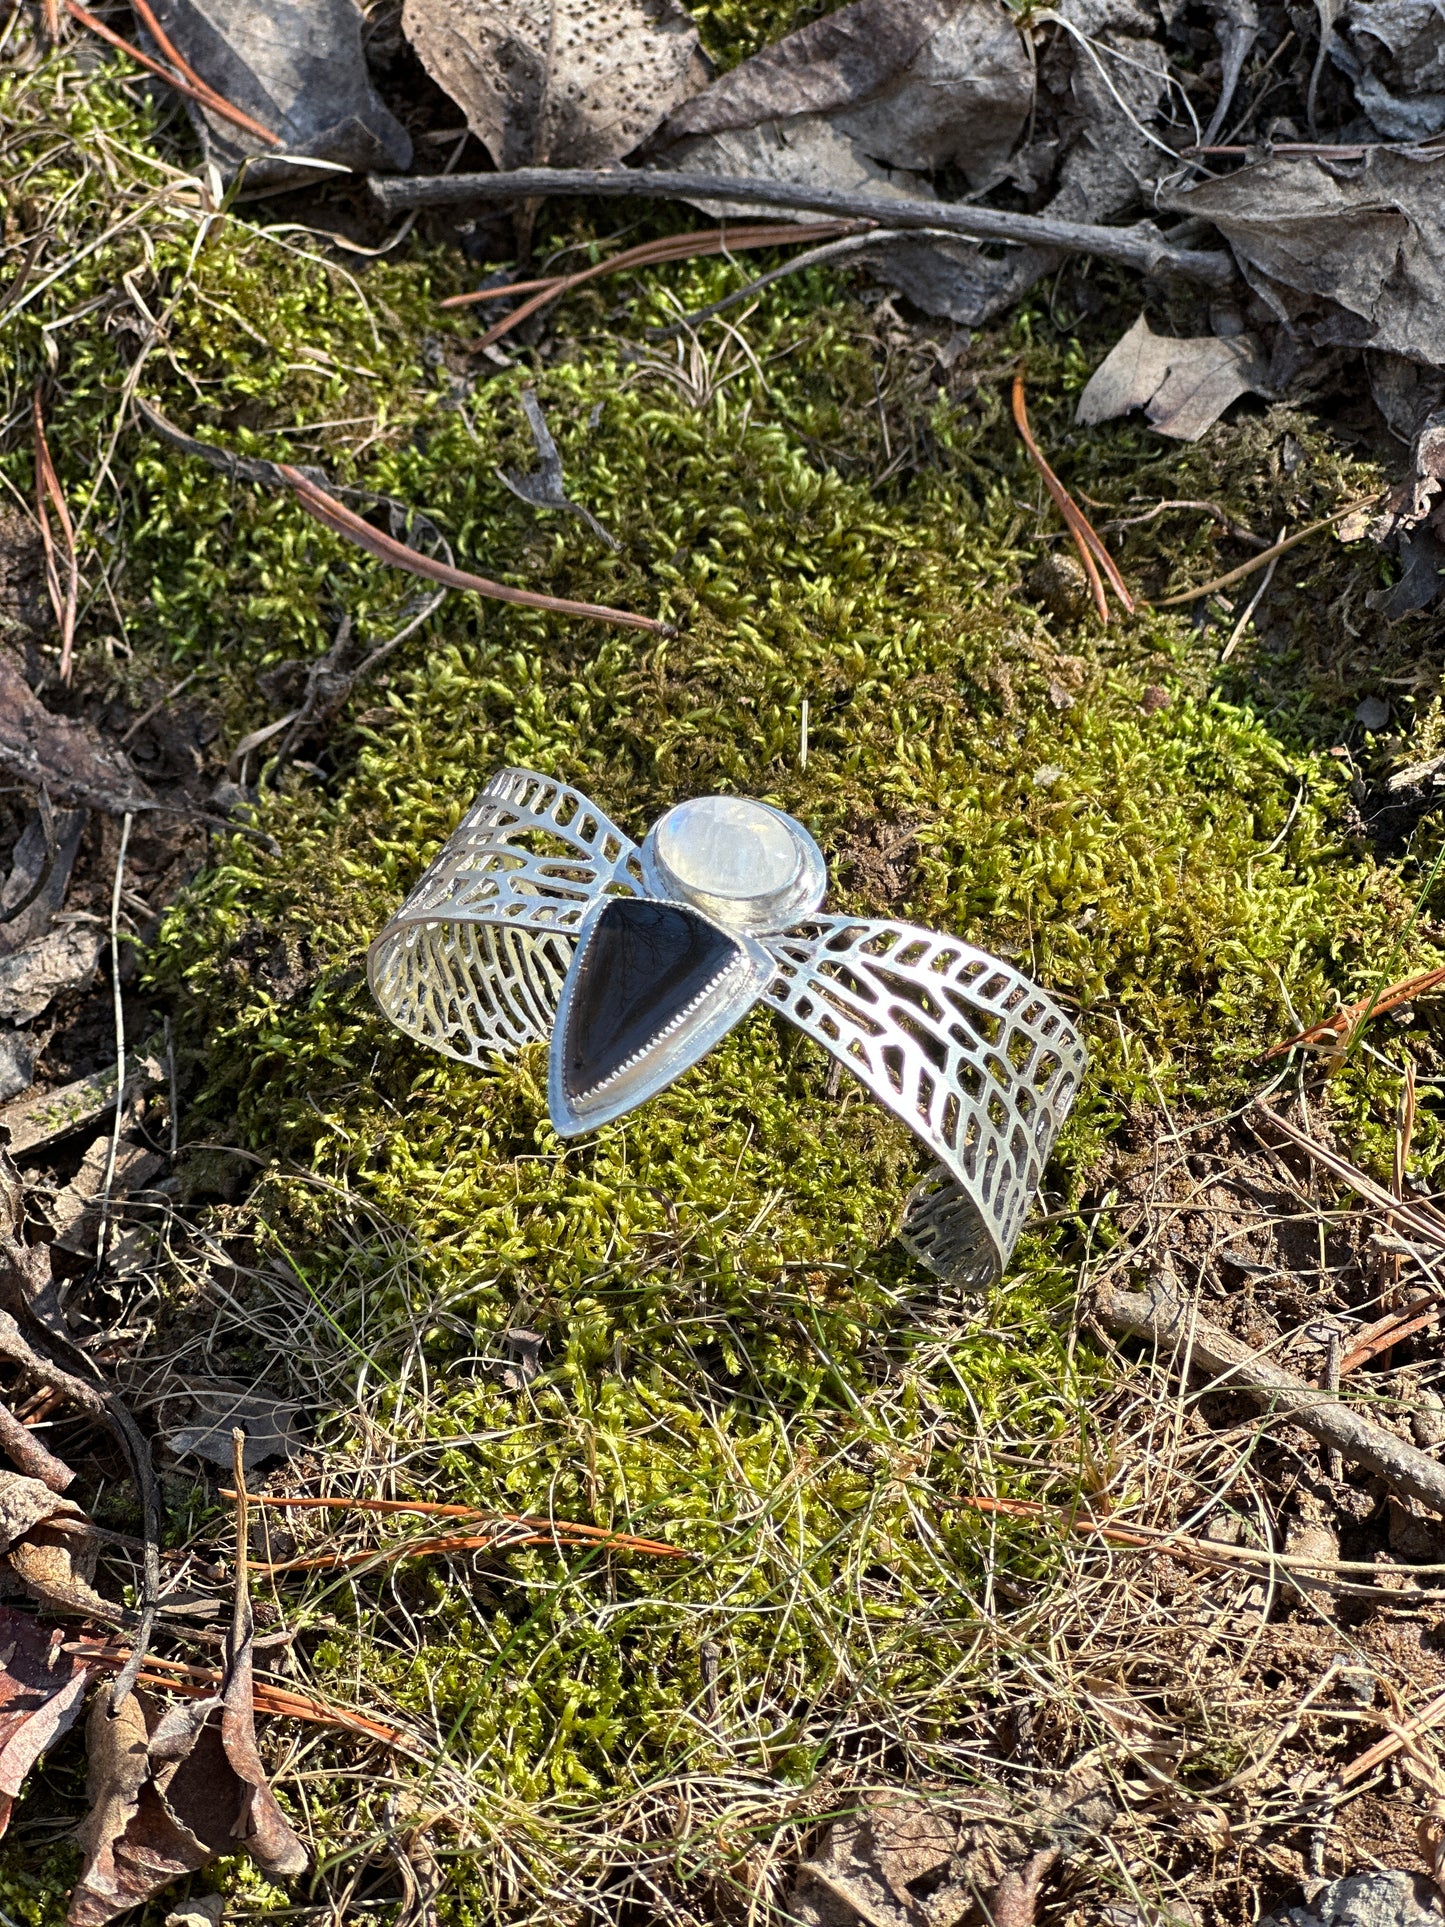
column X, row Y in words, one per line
column 728, row 846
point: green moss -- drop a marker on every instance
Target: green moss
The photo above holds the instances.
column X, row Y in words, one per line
column 737, row 1355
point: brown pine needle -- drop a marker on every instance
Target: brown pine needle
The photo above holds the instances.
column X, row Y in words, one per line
column 1336, row 1033
column 527, row 1530
column 48, row 490
column 672, row 247
column 196, row 1682
column 194, row 88
column 1386, row 1333
column 351, row 527
column 1092, row 550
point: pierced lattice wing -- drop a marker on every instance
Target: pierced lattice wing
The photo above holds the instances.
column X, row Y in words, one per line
column 966, row 1051
column 473, row 962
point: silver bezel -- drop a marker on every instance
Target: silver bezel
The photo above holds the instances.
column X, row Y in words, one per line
column 758, row 916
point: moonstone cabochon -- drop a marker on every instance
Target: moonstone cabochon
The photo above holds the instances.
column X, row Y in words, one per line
column 643, row 967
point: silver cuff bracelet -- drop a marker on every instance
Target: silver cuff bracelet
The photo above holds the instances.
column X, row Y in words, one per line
column 541, row 919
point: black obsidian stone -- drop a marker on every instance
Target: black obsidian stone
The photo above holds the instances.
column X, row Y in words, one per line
column 643, row 964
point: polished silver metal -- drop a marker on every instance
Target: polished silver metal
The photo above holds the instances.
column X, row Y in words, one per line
column 974, row 1058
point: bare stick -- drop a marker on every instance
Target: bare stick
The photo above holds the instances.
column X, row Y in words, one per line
column 1141, row 247
column 102, row 1240
column 1175, row 1326
column 1265, row 558
column 26, row 1451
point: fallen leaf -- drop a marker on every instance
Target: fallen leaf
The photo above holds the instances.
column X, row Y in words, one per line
column 1184, row 384
column 1394, row 54
column 52, row 753
column 916, row 84
column 544, row 487
column 269, row 1425
column 559, row 83
column 1412, row 527
column 1348, row 253
column 35, row 888
column 74, row 1211
column 53, row 1562
column 36, row 974
column 41, row 1689
column 134, row 1842
column 296, row 66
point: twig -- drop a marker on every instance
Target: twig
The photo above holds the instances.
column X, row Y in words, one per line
column 1141, row 247
column 27, row 1451
column 1239, row 628
column 1177, row 1328
column 48, row 489
column 1086, row 538
column 102, row 1239
column 1338, row 1031
column 1264, row 558
column 193, row 88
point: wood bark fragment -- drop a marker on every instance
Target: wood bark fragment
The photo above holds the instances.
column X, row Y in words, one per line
column 1141, row 247
column 1176, row 1327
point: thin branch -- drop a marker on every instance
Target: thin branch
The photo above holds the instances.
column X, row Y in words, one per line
column 1335, row 1033
column 1141, row 247
column 1266, row 556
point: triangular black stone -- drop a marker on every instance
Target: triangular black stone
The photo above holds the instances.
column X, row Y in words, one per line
column 643, row 965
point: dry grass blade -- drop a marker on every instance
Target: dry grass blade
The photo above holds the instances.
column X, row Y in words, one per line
column 1421, row 1220
column 673, row 247
column 1338, row 1032
column 1183, row 1545
column 193, row 87
column 1265, row 556
column 351, row 527
column 499, row 1540
column 1092, row 551
column 49, row 491
column 1393, row 1743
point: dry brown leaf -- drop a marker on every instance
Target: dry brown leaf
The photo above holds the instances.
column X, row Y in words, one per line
column 269, row 1424
column 66, row 758
column 300, row 70
column 1349, row 253
column 41, row 1689
column 918, row 84
column 559, row 83
column 26, row 1504
column 1184, row 384
column 135, row 1842
column 53, row 1562
column 36, row 974
column 260, row 1824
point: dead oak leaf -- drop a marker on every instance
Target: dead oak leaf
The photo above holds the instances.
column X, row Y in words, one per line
column 43, row 1544
column 41, row 1689
column 559, row 83
column 1184, row 384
